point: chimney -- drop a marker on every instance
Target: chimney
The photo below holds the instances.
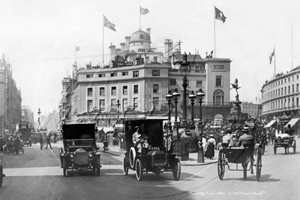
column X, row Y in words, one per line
column 168, row 49
column 112, row 51
column 149, row 31
column 122, row 46
column 127, row 42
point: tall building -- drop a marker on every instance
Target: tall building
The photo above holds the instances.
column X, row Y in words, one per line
column 10, row 98
column 252, row 109
column 139, row 77
column 280, row 97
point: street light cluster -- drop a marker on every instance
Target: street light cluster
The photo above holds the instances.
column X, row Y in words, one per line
column 185, row 70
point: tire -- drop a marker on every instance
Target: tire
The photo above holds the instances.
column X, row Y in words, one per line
column 125, row 168
column 139, row 169
column 221, row 166
column 258, row 166
column 132, row 155
column 245, row 165
column 177, row 170
column 65, row 172
column 1, row 176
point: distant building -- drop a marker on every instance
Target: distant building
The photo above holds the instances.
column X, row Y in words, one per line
column 280, row 97
column 139, row 78
column 251, row 109
column 51, row 121
column 10, row 98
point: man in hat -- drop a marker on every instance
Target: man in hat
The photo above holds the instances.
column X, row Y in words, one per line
column 138, row 139
column 246, row 139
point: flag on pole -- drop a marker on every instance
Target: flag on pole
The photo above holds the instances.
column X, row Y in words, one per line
column 271, row 56
column 143, row 11
column 77, row 48
column 108, row 24
column 220, row 15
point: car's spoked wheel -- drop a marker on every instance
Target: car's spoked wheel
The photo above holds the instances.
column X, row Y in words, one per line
column 221, row 166
column 258, row 166
column 177, row 170
column 139, row 169
column 1, row 176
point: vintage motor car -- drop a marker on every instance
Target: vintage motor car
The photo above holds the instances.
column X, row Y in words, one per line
column 152, row 154
column 79, row 152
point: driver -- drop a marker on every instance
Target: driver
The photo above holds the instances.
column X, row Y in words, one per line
column 138, row 139
column 246, row 139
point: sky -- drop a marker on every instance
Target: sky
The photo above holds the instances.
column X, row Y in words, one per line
column 39, row 38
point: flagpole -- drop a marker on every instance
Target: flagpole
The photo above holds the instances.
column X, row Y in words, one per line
column 103, row 41
column 215, row 32
column 75, row 52
column 274, row 63
column 140, row 18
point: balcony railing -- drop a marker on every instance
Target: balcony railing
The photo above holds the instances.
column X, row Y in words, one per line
column 281, row 109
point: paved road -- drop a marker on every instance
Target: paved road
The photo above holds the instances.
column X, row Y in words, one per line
column 280, row 180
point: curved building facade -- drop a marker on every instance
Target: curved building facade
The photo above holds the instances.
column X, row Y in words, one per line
column 281, row 98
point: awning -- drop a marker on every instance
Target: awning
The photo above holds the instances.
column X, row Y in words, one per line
column 292, row 122
column 270, row 123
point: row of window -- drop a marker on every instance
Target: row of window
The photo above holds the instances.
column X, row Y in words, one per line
column 282, row 81
column 155, row 72
column 285, row 103
column 283, row 91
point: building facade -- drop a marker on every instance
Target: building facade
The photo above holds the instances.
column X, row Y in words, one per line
column 10, row 98
column 137, row 80
column 281, row 99
column 252, row 109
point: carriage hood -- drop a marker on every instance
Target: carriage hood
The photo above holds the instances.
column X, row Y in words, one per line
column 78, row 131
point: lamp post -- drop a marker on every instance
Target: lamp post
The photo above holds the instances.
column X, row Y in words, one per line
column 39, row 119
column 192, row 98
column 176, row 96
column 169, row 98
column 200, row 96
column 118, row 105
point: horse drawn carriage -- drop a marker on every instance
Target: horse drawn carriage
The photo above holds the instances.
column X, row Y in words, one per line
column 286, row 141
column 151, row 153
column 249, row 155
column 79, row 152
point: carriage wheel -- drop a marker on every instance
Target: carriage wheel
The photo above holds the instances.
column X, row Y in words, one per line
column 263, row 149
column 177, row 170
column 132, row 155
column 221, row 165
column 286, row 149
column 1, row 176
column 245, row 165
column 125, row 169
column 274, row 149
column 139, row 169
column 294, row 146
column 258, row 166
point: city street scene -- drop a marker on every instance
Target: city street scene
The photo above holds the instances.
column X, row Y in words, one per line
column 150, row 100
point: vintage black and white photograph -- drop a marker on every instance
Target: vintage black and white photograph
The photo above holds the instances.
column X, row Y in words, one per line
column 149, row 99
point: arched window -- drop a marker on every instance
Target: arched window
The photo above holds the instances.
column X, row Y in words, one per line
column 218, row 97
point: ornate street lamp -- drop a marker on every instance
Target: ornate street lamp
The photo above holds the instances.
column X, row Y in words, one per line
column 200, row 96
column 118, row 105
column 192, row 98
column 169, row 98
column 176, row 97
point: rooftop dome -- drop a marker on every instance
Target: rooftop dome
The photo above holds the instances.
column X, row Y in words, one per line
column 140, row 36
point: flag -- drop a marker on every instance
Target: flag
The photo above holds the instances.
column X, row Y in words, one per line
column 219, row 15
column 108, row 24
column 143, row 11
column 271, row 56
column 77, row 48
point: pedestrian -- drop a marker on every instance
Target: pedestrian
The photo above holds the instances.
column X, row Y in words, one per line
column 246, row 139
column 290, row 131
column 227, row 139
column 210, row 151
column 48, row 140
column 41, row 141
column 17, row 145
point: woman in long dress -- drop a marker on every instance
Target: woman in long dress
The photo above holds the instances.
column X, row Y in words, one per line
column 210, row 151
